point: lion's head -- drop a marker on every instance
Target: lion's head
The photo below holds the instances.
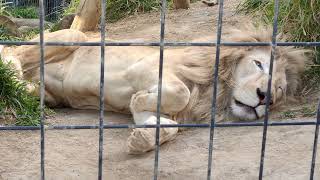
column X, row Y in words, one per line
column 250, row 83
column 243, row 76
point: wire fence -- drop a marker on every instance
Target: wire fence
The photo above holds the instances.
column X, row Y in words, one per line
column 52, row 8
column 162, row 44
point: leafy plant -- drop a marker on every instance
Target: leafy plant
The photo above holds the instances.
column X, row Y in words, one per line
column 3, row 7
column 30, row 12
column 15, row 101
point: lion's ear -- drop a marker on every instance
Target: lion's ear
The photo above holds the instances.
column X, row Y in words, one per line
column 229, row 59
column 296, row 58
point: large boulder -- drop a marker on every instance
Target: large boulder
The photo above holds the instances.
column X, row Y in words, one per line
column 34, row 23
column 66, row 21
column 10, row 26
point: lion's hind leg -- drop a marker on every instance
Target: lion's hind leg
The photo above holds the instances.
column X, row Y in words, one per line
column 29, row 55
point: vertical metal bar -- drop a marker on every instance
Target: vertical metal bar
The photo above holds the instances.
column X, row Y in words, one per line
column 42, row 87
column 315, row 143
column 266, row 117
column 157, row 143
column 215, row 87
column 101, row 118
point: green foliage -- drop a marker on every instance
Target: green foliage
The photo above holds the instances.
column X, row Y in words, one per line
column 297, row 18
column 117, row 9
column 15, row 101
column 23, row 12
column 3, row 8
column 302, row 111
column 29, row 34
column 72, row 8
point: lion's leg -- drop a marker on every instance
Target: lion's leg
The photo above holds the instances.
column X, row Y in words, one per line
column 175, row 97
column 29, row 55
column 143, row 139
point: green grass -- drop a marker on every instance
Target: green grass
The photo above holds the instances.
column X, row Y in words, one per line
column 303, row 111
column 117, row 9
column 23, row 12
column 15, row 102
column 298, row 19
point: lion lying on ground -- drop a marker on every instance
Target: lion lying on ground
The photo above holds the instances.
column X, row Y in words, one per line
column 72, row 76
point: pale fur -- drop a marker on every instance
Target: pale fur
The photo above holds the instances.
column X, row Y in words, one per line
column 72, row 77
column 198, row 72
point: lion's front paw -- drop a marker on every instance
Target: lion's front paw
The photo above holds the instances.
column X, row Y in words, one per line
column 141, row 140
column 138, row 101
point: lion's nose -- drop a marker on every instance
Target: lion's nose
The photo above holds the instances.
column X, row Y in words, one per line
column 263, row 97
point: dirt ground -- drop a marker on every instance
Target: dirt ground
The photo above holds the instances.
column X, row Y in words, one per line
column 73, row 154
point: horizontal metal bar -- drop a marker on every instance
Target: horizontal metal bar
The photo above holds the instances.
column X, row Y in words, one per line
column 130, row 126
column 297, row 43
column 169, row 44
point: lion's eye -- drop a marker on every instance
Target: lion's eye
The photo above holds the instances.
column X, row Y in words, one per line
column 258, row 63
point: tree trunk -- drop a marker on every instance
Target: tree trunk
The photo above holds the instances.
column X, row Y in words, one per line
column 88, row 15
column 181, row 4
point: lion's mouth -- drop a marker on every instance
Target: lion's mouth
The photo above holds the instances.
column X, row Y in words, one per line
column 247, row 108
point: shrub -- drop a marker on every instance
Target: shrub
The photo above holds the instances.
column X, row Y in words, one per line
column 15, row 102
column 30, row 12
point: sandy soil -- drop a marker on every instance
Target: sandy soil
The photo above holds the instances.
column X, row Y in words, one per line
column 73, row 154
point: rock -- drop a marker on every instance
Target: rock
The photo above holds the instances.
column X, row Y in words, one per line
column 34, row 23
column 66, row 21
column 9, row 25
column 210, row 2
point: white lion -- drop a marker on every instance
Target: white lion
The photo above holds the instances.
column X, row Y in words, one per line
column 72, row 76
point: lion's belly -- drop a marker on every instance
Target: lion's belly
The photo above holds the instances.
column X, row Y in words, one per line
column 83, row 92
column 82, row 82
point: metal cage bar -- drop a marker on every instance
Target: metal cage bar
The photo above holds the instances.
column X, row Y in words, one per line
column 131, row 126
column 157, row 135
column 315, row 143
column 266, row 117
column 162, row 44
column 169, row 44
column 42, row 88
column 215, row 88
column 102, row 66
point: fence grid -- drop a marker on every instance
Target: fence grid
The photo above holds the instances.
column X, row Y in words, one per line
column 162, row 44
column 52, row 8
